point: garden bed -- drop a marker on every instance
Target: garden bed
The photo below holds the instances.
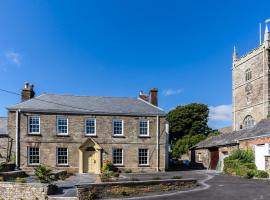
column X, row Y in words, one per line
column 132, row 188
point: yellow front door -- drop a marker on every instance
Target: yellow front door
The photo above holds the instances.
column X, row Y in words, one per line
column 91, row 162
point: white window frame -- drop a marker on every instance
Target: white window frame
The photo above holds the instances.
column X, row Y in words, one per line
column 33, row 133
column 122, row 134
column 59, row 117
column 147, row 157
column 28, row 156
column 85, row 129
column 64, row 164
column 122, row 161
column 148, row 128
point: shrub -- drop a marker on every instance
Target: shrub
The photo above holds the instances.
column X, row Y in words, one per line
column 176, row 177
column 250, row 174
column 245, row 156
column 128, row 171
column 107, row 166
column 115, row 174
column 20, row 180
column 261, row 174
column 105, row 176
column 43, row 174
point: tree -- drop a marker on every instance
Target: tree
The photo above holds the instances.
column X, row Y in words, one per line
column 190, row 119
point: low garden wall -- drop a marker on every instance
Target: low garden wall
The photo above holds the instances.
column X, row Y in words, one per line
column 29, row 191
column 5, row 176
column 131, row 188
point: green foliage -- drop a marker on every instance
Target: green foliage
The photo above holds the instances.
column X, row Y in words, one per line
column 105, row 176
column 44, row 174
column 128, row 171
column 190, row 119
column 115, row 174
column 213, row 133
column 241, row 163
column 183, row 145
column 20, row 180
column 261, row 174
column 245, row 156
column 107, row 166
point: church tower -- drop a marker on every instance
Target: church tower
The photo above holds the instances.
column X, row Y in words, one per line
column 250, row 85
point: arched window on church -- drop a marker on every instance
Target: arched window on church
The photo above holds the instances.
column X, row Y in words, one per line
column 249, row 122
column 248, row 74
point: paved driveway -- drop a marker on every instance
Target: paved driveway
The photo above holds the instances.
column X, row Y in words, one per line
column 223, row 187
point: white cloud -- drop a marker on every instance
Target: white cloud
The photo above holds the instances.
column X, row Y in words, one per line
column 220, row 113
column 170, row 92
column 13, row 57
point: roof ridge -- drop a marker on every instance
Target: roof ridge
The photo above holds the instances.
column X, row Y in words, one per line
column 72, row 95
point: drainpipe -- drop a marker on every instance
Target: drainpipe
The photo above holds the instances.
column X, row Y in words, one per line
column 157, row 136
column 17, row 138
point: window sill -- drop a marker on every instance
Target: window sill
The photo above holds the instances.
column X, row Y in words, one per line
column 144, row 136
column 59, row 135
column 143, row 165
column 118, row 136
column 119, row 165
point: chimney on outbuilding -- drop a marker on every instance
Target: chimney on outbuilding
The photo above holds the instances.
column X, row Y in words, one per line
column 143, row 96
column 27, row 92
column 153, row 94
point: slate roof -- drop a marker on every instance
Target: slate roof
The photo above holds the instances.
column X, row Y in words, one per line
column 262, row 129
column 3, row 125
column 55, row 103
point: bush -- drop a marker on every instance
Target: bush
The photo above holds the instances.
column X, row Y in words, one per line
column 43, row 174
column 250, row 174
column 105, row 176
column 20, row 180
column 245, row 156
column 107, row 166
column 115, row 174
column 261, row 174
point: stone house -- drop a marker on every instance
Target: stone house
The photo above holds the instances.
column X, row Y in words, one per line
column 78, row 133
column 250, row 110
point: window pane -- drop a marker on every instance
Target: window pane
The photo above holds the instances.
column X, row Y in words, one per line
column 143, row 156
column 62, row 125
column 34, row 124
column 117, row 127
column 33, row 155
column 143, row 127
column 62, row 156
column 90, row 126
column 118, row 156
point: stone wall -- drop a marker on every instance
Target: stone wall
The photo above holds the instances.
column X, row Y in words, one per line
column 29, row 191
column 118, row 189
column 250, row 97
column 267, row 164
column 48, row 140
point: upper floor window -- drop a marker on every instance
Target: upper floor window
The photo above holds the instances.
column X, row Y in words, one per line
column 249, row 122
column 34, row 124
column 62, row 156
column 117, row 156
column 143, row 157
column 33, row 155
column 90, row 126
column 144, row 128
column 248, row 75
column 118, row 127
column 62, row 125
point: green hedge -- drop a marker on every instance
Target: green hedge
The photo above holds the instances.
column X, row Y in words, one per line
column 241, row 163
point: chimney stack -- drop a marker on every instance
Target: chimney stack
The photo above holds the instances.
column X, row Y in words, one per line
column 27, row 92
column 154, row 96
column 143, row 96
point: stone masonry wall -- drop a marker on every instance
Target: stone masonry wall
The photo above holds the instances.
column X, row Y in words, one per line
column 255, row 103
column 29, row 191
column 130, row 142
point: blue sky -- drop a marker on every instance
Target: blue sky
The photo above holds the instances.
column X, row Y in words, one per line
column 117, row 48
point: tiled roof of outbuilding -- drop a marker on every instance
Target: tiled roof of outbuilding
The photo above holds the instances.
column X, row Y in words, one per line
column 229, row 138
column 54, row 103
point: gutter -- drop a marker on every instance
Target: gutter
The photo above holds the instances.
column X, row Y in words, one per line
column 17, row 139
column 157, row 147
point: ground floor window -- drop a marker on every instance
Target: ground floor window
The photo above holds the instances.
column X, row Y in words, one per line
column 143, row 157
column 117, row 156
column 62, row 156
column 33, row 156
